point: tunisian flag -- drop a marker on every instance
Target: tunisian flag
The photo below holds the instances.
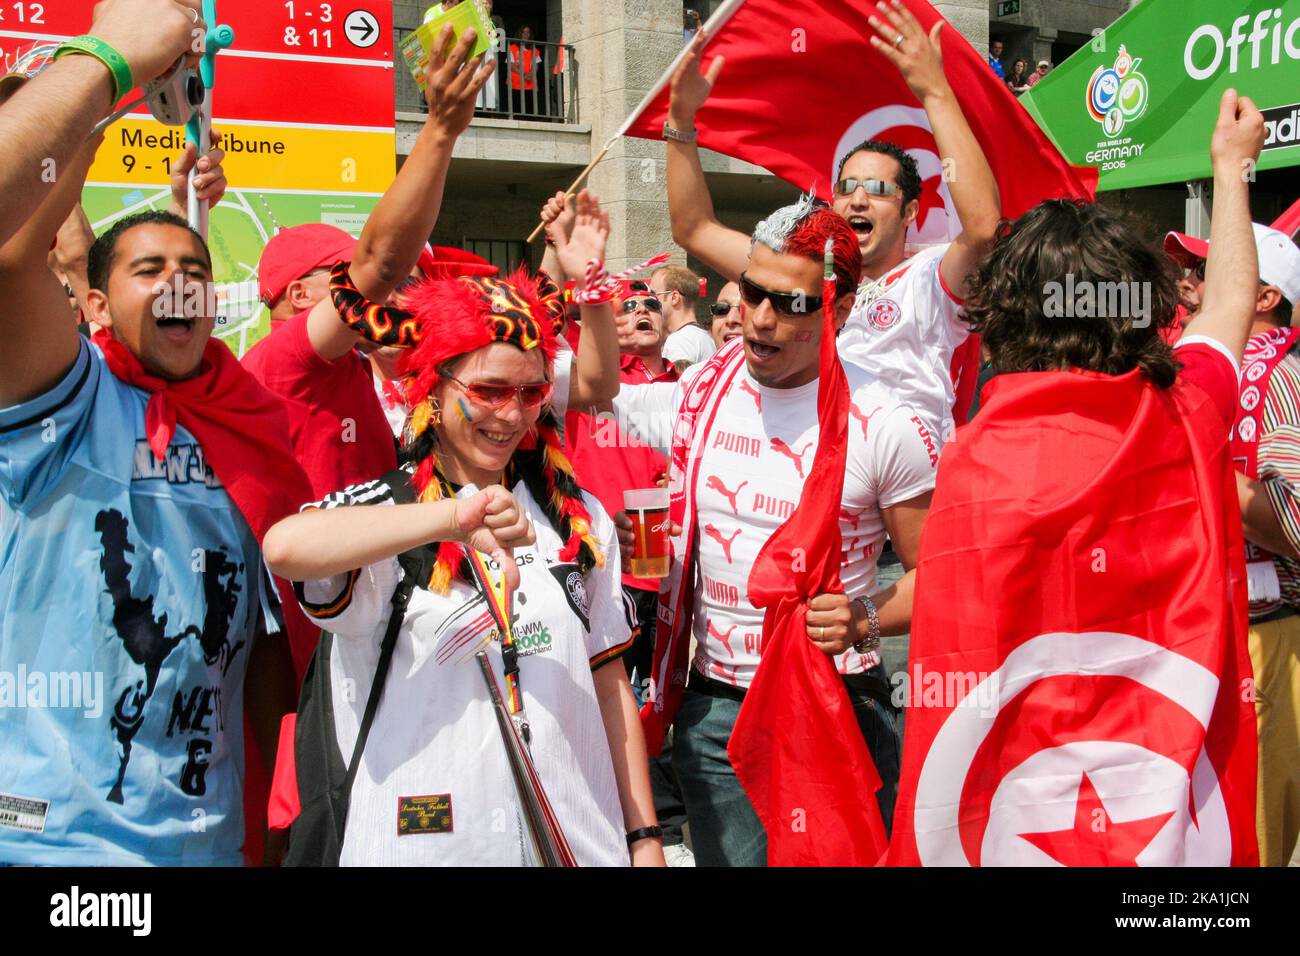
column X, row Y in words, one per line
column 802, row 86
column 796, row 746
column 1078, row 674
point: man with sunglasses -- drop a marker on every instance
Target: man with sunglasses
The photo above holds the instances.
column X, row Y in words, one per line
column 905, row 325
column 752, row 464
column 1266, row 451
column 725, row 312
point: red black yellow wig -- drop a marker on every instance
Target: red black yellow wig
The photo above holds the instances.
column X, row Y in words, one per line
column 444, row 319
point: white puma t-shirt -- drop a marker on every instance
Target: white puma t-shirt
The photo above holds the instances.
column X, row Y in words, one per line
column 753, row 470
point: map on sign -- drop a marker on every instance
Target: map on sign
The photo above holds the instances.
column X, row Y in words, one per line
column 304, row 101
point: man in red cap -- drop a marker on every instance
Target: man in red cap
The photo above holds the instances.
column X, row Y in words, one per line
column 1266, row 450
column 293, row 274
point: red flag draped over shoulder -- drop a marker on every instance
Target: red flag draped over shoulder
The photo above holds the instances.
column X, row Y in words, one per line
column 796, row 746
column 1078, row 652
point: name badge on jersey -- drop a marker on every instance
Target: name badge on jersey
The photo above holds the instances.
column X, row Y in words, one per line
column 426, row 814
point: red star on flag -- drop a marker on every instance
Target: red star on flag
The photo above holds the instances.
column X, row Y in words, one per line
column 1096, row 839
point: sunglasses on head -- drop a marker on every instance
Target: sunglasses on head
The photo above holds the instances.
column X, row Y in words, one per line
column 874, row 187
column 498, row 396
column 787, row 303
column 651, row 305
column 719, row 309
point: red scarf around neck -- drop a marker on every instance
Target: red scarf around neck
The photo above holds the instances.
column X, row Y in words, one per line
column 241, row 426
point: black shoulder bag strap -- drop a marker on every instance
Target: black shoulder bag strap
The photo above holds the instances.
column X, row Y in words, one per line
column 416, row 565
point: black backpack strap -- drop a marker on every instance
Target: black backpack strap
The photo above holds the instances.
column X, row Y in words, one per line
column 417, row 564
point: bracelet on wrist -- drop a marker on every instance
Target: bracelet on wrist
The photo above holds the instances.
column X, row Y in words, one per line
column 645, row 833
column 86, row 45
column 872, row 640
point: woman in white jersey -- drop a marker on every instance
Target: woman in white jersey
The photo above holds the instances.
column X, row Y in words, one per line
column 434, row 784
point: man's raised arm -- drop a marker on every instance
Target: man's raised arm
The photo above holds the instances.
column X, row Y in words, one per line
column 690, row 207
column 399, row 227
column 1232, row 269
column 45, row 125
column 974, row 190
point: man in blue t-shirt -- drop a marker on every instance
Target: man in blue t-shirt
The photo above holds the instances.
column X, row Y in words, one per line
column 135, row 599
column 995, row 59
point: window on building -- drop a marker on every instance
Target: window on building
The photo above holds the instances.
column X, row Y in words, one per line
column 505, row 254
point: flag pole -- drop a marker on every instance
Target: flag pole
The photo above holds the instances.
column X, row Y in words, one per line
column 720, row 17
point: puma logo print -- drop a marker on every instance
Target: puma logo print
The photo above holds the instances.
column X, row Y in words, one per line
column 857, row 413
column 779, row 446
column 715, row 483
column 716, row 535
column 758, row 399
column 850, row 519
column 724, row 638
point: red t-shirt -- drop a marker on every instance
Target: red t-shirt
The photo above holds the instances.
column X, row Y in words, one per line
column 607, row 461
column 1208, row 365
column 338, row 428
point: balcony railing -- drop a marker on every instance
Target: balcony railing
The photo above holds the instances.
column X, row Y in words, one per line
column 533, row 81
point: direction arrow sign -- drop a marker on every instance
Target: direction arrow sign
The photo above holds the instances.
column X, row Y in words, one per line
column 361, row 28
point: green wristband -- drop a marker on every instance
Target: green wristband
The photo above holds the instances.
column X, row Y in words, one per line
column 105, row 54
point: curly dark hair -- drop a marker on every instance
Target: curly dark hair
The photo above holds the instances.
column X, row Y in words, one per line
column 1014, row 299
column 909, row 177
column 103, row 254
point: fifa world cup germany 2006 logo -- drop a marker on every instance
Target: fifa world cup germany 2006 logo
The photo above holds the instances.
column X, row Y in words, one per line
column 1118, row 94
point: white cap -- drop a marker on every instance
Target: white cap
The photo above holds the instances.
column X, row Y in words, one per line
column 1279, row 257
column 1279, row 261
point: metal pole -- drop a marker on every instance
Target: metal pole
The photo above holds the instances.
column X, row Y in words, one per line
column 1197, row 209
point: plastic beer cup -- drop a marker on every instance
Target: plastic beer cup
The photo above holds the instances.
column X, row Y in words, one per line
column 648, row 510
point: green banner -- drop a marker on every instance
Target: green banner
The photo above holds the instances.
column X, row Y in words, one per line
column 1140, row 101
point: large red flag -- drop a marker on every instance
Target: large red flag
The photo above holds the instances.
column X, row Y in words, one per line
column 1078, row 676
column 802, row 86
column 796, row 747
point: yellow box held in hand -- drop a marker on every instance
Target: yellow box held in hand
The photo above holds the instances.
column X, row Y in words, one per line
column 417, row 46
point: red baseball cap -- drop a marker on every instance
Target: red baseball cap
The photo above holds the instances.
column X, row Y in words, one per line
column 1186, row 250
column 296, row 251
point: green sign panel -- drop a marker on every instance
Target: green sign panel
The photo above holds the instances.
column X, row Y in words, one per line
column 1140, row 101
column 1007, row 7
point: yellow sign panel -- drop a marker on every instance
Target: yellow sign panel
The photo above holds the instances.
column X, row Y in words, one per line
column 140, row 152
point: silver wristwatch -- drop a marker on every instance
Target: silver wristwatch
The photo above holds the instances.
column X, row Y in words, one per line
column 872, row 640
column 678, row 136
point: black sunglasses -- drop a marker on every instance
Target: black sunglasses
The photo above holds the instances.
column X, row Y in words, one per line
column 1198, row 270
column 719, row 309
column 787, row 303
column 651, row 305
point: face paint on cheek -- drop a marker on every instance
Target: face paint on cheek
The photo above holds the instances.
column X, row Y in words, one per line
column 463, row 409
column 803, row 336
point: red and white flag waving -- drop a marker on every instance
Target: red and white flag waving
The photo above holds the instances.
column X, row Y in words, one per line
column 802, row 86
column 1079, row 685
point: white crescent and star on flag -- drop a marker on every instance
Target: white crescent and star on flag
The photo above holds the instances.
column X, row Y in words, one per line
column 1087, row 801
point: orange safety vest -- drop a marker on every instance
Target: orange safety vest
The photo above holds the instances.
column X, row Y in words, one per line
column 524, row 59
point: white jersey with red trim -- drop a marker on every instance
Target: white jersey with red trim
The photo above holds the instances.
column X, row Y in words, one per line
column 904, row 329
column 435, row 741
column 755, row 462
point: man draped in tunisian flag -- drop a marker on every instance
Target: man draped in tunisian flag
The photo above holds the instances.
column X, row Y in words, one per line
column 1079, row 681
column 889, row 114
